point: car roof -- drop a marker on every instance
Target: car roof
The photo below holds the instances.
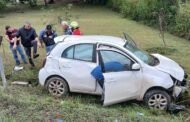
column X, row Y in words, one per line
column 91, row 39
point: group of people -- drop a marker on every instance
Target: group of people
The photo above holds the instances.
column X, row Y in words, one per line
column 28, row 38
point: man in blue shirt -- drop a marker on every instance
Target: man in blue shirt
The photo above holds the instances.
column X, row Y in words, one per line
column 29, row 39
column 47, row 37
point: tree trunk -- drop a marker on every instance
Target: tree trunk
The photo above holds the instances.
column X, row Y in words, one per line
column 51, row 2
column 45, row 2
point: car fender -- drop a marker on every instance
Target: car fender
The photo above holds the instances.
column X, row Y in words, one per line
column 155, row 79
column 43, row 75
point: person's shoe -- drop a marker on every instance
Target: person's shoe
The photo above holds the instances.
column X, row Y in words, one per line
column 25, row 62
column 17, row 63
column 18, row 68
column 36, row 55
column 31, row 62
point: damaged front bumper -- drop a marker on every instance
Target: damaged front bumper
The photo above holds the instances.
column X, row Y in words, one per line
column 177, row 94
column 178, row 90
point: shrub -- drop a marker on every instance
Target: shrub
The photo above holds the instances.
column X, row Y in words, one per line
column 162, row 50
column 182, row 25
column 146, row 10
column 2, row 4
column 115, row 4
column 128, row 9
column 177, row 15
column 33, row 3
column 100, row 2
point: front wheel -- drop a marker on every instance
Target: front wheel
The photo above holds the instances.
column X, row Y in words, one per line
column 57, row 87
column 158, row 99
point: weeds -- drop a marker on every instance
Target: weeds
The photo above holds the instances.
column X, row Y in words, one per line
column 27, row 104
column 162, row 50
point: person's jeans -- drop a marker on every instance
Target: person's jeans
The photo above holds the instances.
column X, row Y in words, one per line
column 28, row 51
column 49, row 48
column 14, row 52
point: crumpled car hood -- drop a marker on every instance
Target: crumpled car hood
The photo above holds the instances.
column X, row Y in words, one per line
column 169, row 66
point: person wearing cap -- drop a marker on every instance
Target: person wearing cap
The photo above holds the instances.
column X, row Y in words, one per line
column 75, row 28
column 47, row 37
column 66, row 28
column 29, row 39
column 10, row 34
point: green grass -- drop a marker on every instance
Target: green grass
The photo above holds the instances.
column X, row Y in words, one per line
column 26, row 104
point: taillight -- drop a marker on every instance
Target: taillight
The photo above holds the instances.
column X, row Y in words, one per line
column 44, row 62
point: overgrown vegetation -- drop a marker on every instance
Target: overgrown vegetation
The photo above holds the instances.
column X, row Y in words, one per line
column 177, row 13
column 161, row 50
column 182, row 26
column 33, row 104
column 32, row 3
column 102, row 2
column 2, row 4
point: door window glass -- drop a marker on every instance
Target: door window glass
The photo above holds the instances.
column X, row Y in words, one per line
column 114, row 62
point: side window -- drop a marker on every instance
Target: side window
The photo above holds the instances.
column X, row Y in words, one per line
column 82, row 52
column 114, row 62
column 69, row 52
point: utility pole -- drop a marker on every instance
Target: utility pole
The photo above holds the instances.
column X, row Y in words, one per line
column 3, row 73
column 2, row 68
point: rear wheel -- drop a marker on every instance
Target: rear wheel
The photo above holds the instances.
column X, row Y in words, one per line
column 57, row 87
column 159, row 99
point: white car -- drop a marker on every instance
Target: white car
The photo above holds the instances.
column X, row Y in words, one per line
column 154, row 79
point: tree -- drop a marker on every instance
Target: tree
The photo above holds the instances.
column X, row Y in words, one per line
column 2, row 4
column 162, row 25
column 45, row 2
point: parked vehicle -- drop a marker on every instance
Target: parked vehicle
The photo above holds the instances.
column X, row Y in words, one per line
column 154, row 79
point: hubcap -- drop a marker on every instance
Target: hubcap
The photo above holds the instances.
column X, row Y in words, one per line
column 158, row 101
column 56, row 88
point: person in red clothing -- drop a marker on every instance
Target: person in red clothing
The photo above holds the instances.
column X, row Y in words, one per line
column 15, row 45
column 75, row 28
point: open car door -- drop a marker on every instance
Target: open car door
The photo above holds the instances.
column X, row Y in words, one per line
column 129, row 39
column 121, row 82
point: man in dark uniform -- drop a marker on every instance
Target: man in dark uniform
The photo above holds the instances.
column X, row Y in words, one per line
column 47, row 37
column 29, row 39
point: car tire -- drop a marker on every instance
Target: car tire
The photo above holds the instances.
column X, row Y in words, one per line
column 158, row 99
column 57, row 87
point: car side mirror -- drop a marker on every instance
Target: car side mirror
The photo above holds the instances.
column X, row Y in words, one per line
column 136, row 67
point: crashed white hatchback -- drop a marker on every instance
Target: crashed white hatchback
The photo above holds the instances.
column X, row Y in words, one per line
column 154, row 79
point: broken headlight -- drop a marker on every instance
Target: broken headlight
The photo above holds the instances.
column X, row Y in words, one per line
column 180, row 83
